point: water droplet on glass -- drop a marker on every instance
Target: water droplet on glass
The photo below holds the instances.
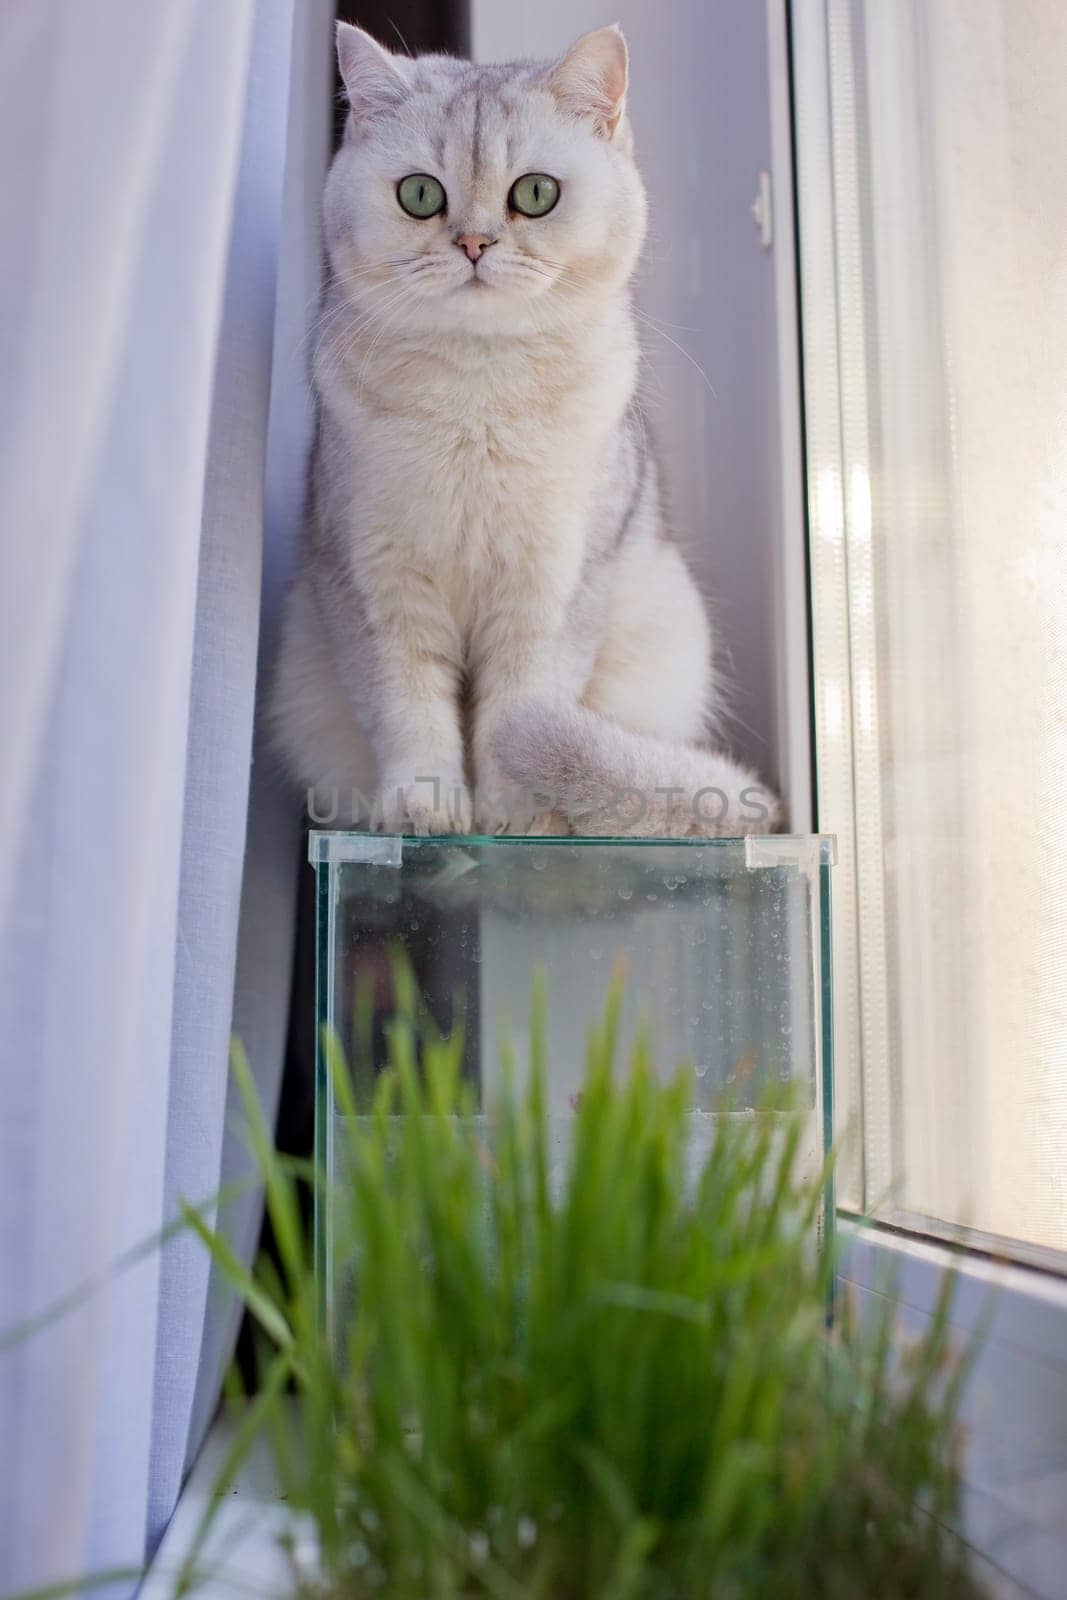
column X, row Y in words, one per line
column 626, row 894
column 526, row 1532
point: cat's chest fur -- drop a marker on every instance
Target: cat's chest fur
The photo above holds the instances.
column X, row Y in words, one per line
column 475, row 462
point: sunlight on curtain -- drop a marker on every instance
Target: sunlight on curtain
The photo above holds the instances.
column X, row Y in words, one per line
column 944, row 645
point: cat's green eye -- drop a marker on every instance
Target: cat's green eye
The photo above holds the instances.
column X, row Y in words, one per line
column 421, row 196
column 534, row 195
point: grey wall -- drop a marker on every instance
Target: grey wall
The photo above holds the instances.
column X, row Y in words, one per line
column 700, row 108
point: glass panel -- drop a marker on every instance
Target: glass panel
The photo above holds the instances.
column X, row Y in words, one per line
column 723, row 946
column 932, row 154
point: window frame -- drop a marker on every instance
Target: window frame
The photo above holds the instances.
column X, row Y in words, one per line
column 1010, row 1314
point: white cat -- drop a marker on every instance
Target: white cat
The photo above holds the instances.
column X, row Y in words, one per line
column 487, row 594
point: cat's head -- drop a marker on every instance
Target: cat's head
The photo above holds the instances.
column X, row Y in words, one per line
column 490, row 200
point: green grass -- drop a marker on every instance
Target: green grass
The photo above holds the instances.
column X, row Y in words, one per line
column 621, row 1385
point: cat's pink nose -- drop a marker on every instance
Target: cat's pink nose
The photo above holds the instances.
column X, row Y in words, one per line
column 474, row 243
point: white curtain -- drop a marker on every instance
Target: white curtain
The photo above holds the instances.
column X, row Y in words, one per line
column 160, row 167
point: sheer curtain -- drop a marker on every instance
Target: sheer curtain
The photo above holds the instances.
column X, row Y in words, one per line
column 160, row 168
column 933, row 188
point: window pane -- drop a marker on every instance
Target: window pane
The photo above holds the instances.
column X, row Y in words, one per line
column 933, row 216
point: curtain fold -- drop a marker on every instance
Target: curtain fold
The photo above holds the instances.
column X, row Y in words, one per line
column 273, row 857
column 147, row 173
column 219, row 750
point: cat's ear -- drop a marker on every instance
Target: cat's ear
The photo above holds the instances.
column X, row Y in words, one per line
column 372, row 77
column 591, row 79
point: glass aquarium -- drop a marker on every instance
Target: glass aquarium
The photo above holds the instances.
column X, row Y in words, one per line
column 721, row 947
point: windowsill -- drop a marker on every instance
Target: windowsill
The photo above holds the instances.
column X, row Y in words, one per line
column 1015, row 1405
column 242, row 1555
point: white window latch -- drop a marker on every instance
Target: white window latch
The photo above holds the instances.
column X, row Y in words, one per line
column 762, row 212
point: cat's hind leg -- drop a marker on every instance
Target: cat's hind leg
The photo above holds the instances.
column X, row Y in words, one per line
column 631, row 758
column 653, row 671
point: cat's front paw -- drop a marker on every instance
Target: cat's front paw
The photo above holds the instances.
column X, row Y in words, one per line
column 425, row 806
column 496, row 813
column 503, row 807
column 518, row 820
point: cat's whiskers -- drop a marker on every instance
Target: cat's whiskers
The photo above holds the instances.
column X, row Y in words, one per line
column 550, row 271
column 679, row 327
column 578, row 278
column 558, row 272
column 693, row 362
column 567, row 273
column 402, row 284
column 373, row 317
column 430, row 267
column 386, row 323
column 350, row 337
column 575, row 278
column 333, row 326
column 369, row 319
column 354, row 275
column 408, row 268
column 344, row 308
